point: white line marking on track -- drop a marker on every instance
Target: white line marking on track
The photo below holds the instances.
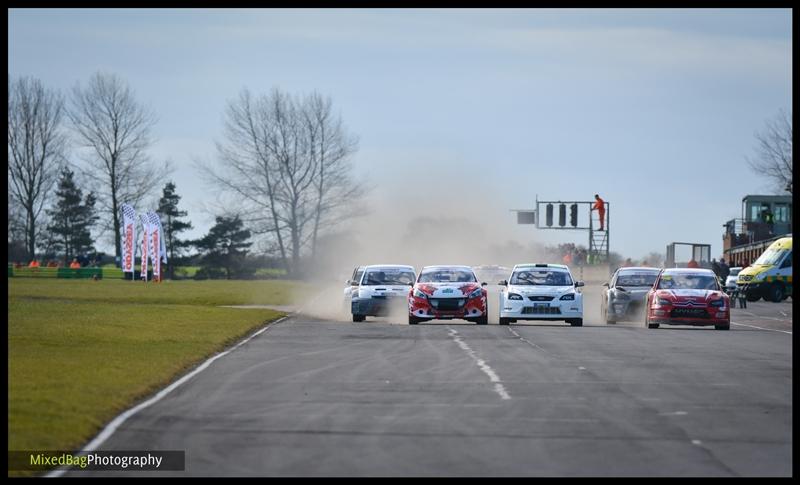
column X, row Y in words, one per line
column 499, row 388
column 697, row 442
column 514, row 333
column 117, row 422
column 761, row 328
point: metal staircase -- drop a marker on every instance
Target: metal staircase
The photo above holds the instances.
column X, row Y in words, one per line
column 598, row 240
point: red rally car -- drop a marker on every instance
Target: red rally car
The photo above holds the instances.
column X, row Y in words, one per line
column 683, row 296
column 447, row 292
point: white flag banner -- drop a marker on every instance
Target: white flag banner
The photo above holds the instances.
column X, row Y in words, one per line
column 163, row 242
column 145, row 243
column 155, row 244
column 128, row 238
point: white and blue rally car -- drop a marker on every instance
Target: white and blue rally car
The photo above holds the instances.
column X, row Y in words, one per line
column 541, row 292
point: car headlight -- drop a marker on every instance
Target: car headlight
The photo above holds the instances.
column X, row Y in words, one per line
column 419, row 294
column 717, row 303
column 664, row 302
column 514, row 296
column 475, row 294
column 569, row 296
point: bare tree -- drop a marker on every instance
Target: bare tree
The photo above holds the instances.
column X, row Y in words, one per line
column 36, row 146
column 330, row 149
column 285, row 158
column 774, row 152
column 115, row 129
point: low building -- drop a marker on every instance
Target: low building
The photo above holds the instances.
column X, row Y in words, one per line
column 745, row 238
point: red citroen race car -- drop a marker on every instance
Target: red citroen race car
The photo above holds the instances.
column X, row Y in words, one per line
column 683, row 296
column 447, row 292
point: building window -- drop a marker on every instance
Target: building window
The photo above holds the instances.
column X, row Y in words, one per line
column 781, row 213
column 755, row 213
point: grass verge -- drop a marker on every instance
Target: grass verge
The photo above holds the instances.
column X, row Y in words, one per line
column 81, row 352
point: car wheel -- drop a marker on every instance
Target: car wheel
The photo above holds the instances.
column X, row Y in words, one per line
column 576, row 322
column 776, row 293
column 412, row 320
column 484, row 320
column 504, row 321
column 359, row 318
column 722, row 327
column 752, row 297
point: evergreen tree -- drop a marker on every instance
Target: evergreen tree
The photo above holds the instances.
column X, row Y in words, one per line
column 225, row 246
column 172, row 225
column 71, row 218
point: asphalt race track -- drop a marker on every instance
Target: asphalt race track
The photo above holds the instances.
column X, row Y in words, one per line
column 318, row 397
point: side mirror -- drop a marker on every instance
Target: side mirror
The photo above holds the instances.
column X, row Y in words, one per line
column 604, row 284
column 411, row 283
column 484, row 283
column 578, row 284
column 503, row 283
column 347, row 282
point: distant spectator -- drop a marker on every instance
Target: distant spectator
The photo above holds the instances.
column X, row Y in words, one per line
column 34, row 264
column 715, row 267
column 724, row 270
column 692, row 263
column 75, row 264
column 567, row 259
column 628, row 263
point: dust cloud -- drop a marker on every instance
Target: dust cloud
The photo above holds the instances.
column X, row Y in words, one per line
column 423, row 231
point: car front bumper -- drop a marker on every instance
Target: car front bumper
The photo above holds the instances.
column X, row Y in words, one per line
column 555, row 310
column 716, row 316
column 622, row 309
column 422, row 308
column 376, row 306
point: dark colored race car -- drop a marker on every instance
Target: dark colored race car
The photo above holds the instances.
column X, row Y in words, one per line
column 624, row 298
column 447, row 292
column 682, row 296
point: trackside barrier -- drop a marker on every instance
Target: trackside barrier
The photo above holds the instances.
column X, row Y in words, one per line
column 80, row 273
column 69, row 273
column 36, row 272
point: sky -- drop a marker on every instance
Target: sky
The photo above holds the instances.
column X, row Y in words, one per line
column 463, row 112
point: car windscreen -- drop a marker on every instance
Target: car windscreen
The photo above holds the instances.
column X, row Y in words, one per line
column 447, row 276
column 735, row 271
column 771, row 256
column 388, row 276
column 688, row 281
column 636, row 279
column 541, row 277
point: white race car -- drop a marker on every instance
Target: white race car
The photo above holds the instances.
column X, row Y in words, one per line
column 351, row 286
column 541, row 292
column 382, row 287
